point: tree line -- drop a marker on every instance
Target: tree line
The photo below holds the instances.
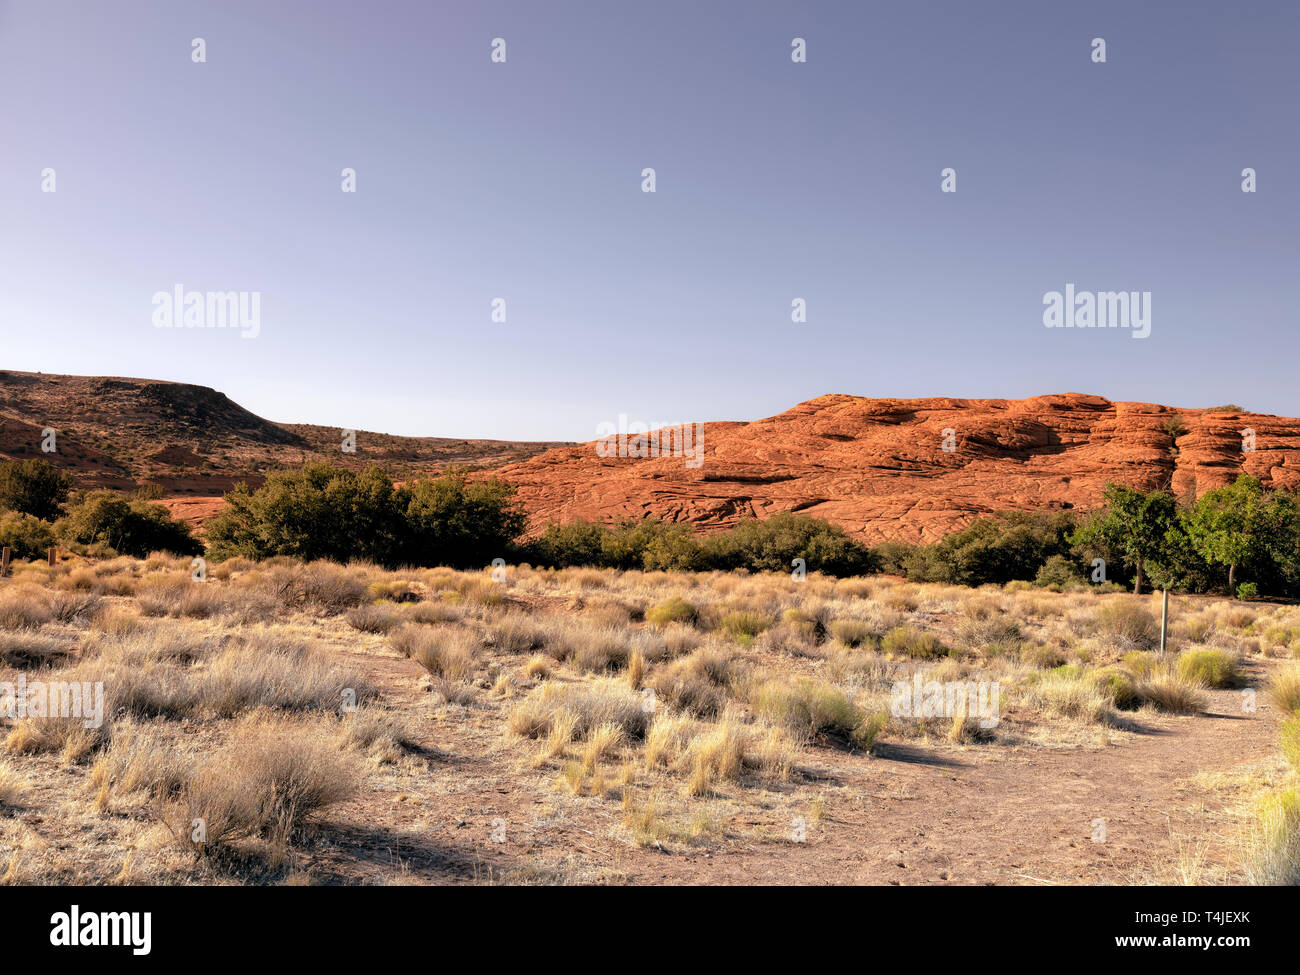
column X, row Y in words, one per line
column 1242, row 538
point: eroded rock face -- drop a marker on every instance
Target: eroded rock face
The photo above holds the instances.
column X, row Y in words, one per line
column 877, row 467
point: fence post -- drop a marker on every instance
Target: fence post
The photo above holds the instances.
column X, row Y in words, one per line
column 1164, row 621
column 4, row 562
column 52, row 551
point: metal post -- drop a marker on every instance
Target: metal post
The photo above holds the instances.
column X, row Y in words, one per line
column 1164, row 621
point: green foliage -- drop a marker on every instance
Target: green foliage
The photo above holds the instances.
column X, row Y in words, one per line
column 1247, row 590
column 26, row 535
column 1139, row 529
column 773, row 545
column 127, row 527
column 1059, row 572
column 770, row 545
column 33, row 487
column 671, row 610
column 999, row 549
column 326, row 512
column 451, row 520
column 1208, row 667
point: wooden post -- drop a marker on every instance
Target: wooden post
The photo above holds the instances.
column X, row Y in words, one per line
column 52, row 551
column 4, row 562
column 1164, row 621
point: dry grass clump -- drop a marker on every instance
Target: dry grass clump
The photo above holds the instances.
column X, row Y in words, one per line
column 596, row 649
column 1208, row 667
column 266, row 781
column 1125, row 625
column 1069, row 693
column 672, row 610
column 74, row 607
column 908, row 641
column 1284, row 689
column 743, row 625
column 1172, row 693
column 709, row 755
column 444, row 651
column 651, row 822
column 1273, row 845
column 286, row 676
column 579, row 708
column 375, row 618
column 138, row 759
column 516, row 633
column 24, row 608
column 318, row 585
column 27, row 651
column 14, row 787
column 697, row 683
column 815, row 709
column 177, row 595
column 433, row 613
column 991, row 634
column 53, row 733
column 384, row 735
column 854, row 633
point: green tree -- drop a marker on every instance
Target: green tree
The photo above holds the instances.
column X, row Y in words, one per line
column 34, row 487
column 128, row 527
column 452, row 520
column 1140, row 528
column 1228, row 526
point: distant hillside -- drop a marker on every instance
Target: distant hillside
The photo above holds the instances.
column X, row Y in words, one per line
column 877, row 467
column 194, row 441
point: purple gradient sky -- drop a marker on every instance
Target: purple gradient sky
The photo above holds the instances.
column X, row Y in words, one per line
column 775, row 180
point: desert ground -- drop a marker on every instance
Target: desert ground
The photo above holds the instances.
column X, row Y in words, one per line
column 275, row 723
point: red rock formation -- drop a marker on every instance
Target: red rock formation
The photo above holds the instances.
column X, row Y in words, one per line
column 877, row 467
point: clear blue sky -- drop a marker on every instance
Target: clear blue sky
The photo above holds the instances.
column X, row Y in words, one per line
column 775, row 180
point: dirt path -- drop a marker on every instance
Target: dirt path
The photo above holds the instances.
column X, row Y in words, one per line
column 912, row 814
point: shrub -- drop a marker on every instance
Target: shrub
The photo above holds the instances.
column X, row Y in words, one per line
column 266, row 781
column 126, row 527
column 773, row 544
column 673, row 610
column 27, row 535
column 911, row 642
column 1058, row 573
column 743, row 626
column 854, row 633
column 1210, row 668
column 1070, row 694
column 1172, row 693
column 1126, row 625
column 326, row 512
column 998, row 549
column 813, row 708
column 1284, row 689
column 1247, row 590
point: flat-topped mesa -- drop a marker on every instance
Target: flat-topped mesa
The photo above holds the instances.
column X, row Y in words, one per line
column 915, row 469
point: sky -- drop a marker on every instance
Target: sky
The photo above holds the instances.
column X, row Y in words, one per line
column 774, row 180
